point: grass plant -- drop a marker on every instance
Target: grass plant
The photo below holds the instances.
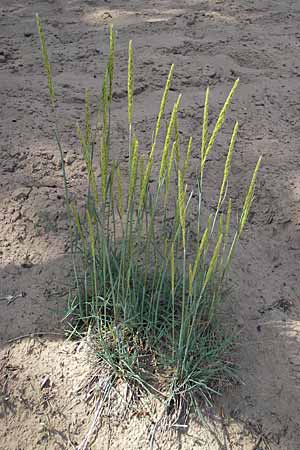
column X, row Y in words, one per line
column 149, row 272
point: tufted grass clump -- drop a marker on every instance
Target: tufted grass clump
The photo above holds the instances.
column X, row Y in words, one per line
column 149, row 263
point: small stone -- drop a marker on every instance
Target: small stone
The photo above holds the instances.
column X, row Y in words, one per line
column 21, row 193
column 191, row 20
column 209, row 72
column 70, row 159
column 45, row 383
column 15, row 216
column 28, row 33
column 106, row 15
column 57, row 163
column 10, row 166
column 27, row 264
column 3, row 58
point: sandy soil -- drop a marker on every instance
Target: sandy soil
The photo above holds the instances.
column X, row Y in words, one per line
column 211, row 42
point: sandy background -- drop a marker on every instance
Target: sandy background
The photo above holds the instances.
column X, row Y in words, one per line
column 210, row 42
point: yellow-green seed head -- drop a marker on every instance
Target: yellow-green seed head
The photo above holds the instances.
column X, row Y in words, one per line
column 165, row 154
column 46, row 61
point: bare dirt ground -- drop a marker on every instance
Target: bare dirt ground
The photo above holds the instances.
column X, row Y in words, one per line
column 210, row 42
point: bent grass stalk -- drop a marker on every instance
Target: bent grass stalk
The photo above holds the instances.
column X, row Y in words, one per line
column 221, row 118
column 148, row 282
